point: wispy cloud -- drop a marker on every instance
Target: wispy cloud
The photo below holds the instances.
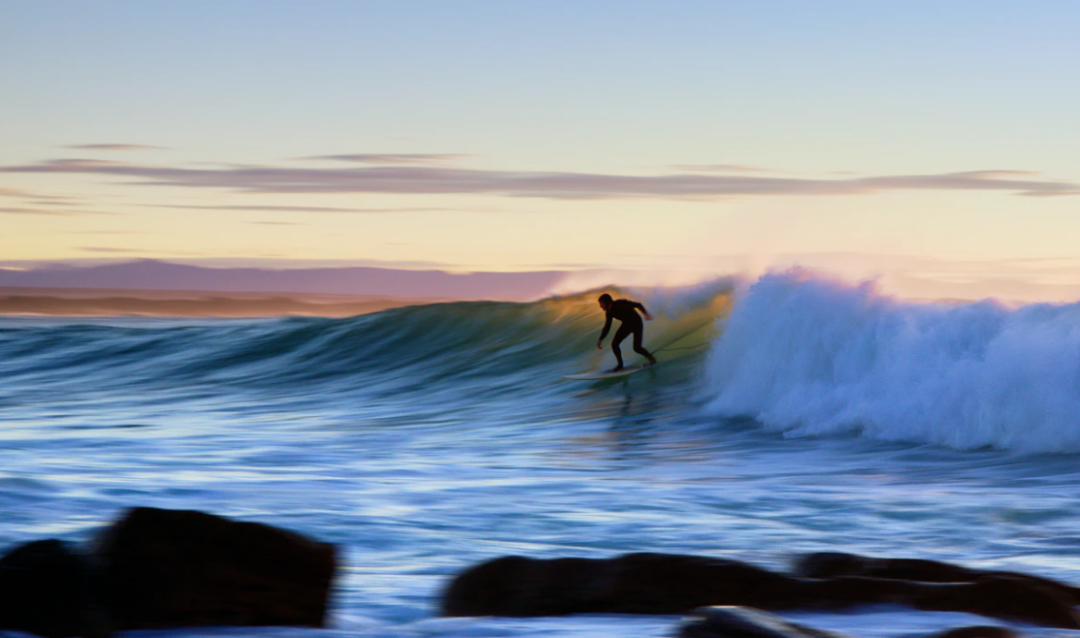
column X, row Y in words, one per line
column 54, row 200
column 304, row 209
column 552, row 185
column 116, row 147
column 77, row 165
column 723, row 168
column 107, row 249
column 17, row 210
column 104, row 232
column 392, row 158
column 60, row 207
column 1025, row 183
column 37, row 197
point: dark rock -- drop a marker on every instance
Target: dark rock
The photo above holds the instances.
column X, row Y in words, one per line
column 834, row 564
column 743, row 622
column 168, row 568
column 977, row 631
column 45, row 589
column 674, row 584
column 632, row 584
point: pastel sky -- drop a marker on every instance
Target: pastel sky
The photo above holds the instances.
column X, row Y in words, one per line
column 516, row 135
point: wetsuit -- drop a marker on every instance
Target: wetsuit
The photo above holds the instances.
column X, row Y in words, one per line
column 626, row 312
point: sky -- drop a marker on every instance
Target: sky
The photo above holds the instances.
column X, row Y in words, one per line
column 933, row 139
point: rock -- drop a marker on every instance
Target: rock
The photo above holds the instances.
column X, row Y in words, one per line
column 977, row 631
column 631, row 584
column 744, row 622
column 46, row 588
column 674, row 584
column 169, row 568
column 834, row 564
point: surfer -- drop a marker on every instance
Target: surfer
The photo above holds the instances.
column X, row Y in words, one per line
column 626, row 312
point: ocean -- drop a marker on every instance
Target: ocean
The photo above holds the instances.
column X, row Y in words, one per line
column 789, row 414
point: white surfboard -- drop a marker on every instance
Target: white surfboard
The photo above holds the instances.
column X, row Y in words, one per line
column 597, row 375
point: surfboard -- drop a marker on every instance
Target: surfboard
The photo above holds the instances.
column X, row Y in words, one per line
column 597, row 375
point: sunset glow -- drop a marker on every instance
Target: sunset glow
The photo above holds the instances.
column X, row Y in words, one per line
column 655, row 137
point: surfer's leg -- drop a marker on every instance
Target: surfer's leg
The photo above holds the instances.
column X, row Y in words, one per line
column 637, row 344
column 620, row 334
column 638, row 332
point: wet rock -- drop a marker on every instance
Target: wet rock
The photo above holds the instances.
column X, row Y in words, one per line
column 835, row 564
column 827, row 565
column 674, row 584
column 632, row 584
column 977, row 631
column 744, row 622
column 46, row 589
column 169, row 568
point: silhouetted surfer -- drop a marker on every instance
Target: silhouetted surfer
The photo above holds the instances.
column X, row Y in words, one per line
column 626, row 312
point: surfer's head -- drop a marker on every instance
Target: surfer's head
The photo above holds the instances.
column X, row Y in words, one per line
column 605, row 301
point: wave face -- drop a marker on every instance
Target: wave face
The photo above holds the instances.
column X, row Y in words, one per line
column 809, row 356
column 802, row 355
column 443, row 352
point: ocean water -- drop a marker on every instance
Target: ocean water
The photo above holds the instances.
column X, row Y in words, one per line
column 790, row 414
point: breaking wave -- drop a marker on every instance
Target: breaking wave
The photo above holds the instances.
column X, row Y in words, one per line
column 809, row 356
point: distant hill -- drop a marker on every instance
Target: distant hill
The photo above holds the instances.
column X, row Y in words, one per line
column 150, row 274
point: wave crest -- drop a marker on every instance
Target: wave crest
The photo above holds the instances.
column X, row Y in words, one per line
column 809, row 356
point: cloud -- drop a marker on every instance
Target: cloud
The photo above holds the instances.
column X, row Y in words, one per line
column 304, row 209
column 105, row 232
column 1023, row 182
column 55, row 199
column 427, row 180
column 723, row 168
column 24, row 210
column 76, row 165
column 106, row 249
column 116, row 147
column 36, row 197
column 392, row 158
column 16, row 210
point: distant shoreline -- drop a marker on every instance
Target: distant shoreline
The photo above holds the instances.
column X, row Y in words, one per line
column 91, row 302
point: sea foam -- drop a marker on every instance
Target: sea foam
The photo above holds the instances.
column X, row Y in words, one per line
column 810, row 356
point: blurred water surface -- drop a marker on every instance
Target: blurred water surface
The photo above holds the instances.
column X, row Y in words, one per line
column 425, row 439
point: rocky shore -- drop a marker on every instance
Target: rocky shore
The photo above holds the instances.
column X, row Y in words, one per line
column 676, row 584
column 157, row 569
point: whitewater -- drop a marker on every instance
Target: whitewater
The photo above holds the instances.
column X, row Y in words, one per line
column 792, row 413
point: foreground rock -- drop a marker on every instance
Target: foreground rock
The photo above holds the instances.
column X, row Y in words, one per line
column 744, row 622
column 675, row 584
column 167, row 568
column 157, row 569
column 46, row 588
column 835, row 564
column 978, row 631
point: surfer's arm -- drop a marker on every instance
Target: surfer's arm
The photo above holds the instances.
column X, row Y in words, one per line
column 603, row 333
column 643, row 310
